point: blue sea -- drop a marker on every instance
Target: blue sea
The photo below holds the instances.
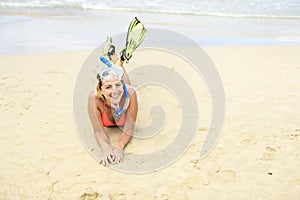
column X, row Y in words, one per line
column 37, row 26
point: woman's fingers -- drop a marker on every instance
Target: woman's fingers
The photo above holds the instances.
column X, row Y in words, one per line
column 105, row 160
column 118, row 155
column 118, row 159
column 109, row 157
column 113, row 155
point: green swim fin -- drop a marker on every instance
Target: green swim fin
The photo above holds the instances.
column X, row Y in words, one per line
column 135, row 35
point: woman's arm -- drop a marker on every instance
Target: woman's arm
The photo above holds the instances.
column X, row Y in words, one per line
column 95, row 117
column 129, row 122
column 126, row 135
column 100, row 134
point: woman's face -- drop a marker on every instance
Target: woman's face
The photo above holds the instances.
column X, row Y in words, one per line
column 112, row 89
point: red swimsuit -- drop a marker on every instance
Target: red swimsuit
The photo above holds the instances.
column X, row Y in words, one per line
column 107, row 122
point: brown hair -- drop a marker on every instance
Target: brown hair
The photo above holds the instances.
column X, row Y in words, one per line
column 97, row 90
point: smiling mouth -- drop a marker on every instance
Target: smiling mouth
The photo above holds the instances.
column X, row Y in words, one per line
column 115, row 96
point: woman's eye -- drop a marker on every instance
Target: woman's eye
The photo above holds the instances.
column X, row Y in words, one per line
column 118, row 84
column 108, row 87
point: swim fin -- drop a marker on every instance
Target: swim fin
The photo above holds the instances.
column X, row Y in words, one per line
column 109, row 49
column 135, row 35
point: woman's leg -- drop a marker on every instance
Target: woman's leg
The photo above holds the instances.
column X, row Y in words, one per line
column 119, row 62
column 109, row 50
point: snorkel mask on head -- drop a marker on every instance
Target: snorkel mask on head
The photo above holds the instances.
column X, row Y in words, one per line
column 109, row 71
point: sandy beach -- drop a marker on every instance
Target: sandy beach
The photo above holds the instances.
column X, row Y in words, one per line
column 47, row 147
column 257, row 156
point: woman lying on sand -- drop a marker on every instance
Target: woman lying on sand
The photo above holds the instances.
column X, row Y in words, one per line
column 114, row 103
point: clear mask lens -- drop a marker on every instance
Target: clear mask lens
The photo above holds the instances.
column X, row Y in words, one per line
column 114, row 71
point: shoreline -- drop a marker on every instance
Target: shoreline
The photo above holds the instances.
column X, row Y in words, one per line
column 73, row 30
column 65, row 11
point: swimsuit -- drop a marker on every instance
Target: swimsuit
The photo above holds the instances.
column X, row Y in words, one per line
column 120, row 114
column 107, row 122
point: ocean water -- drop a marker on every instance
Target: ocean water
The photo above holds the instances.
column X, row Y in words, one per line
column 34, row 26
column 227, row 8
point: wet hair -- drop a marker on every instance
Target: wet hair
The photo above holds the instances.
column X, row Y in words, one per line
column 97, row 90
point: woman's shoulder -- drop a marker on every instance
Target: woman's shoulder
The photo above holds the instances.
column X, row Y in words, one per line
column 98, row 101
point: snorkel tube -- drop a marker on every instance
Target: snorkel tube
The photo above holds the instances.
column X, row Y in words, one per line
column 105, row 61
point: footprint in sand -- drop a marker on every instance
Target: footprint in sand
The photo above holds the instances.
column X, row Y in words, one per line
column 117, row 196
column 295, row 136
column 90, row 195
column 269, row 154
column 271, row 150
column 248, row 141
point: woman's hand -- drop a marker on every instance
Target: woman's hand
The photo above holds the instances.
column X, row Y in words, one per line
column 118, row 154
column 106, row 156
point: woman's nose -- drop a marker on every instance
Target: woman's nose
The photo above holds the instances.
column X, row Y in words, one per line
column 114, row 89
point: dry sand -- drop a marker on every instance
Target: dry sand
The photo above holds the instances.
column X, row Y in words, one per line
column 257, row 156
